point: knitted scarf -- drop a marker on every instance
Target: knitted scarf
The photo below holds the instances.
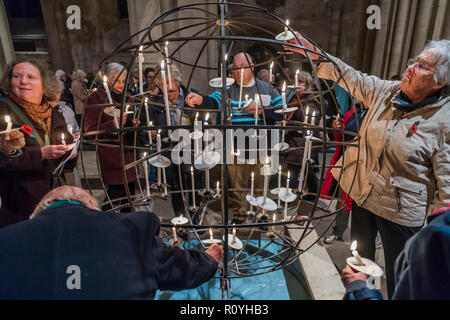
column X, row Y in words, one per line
column 41, row 114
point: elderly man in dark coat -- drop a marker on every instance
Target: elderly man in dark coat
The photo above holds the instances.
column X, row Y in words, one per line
column 71, row 250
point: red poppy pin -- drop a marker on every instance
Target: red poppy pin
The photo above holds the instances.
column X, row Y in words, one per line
column 28, row 131
column 413, row 129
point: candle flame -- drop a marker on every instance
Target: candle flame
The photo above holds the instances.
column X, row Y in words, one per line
column 289, row 175
column 353, row 246
column 207, row 117
column 8, row 119
column 210, row 233
column 159, row 131
column 308, row 133
column 287, row 23
column 141, row 48
column 196, row 116
column 226, row 57
column 192, row 169
column 284, row 86
column 279, row 168
column 271, row 65
column 162, row 65
column 167, row 43
column 253, row 175
column 297, row 72
column 105, row 79
column 307, row 110
column 146, row 100
column 62, row 136
column 144, row 155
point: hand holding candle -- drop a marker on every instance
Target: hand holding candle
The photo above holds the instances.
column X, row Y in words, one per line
column 356, row 254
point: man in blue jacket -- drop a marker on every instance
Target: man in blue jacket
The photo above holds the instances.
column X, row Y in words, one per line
column 71, row 250
column 422, row 269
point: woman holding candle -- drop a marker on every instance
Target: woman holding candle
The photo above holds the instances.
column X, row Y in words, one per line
column 96, row 119
column 32, row 91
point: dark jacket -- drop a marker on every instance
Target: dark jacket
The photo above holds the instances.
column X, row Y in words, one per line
column 118, row 256
column 422, row 269
column 25, row 179
column 109, row 157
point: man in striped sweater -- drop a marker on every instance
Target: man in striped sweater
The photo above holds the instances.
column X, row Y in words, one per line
column 251, row 87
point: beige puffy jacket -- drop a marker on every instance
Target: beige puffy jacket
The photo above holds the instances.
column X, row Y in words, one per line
column 80, row 94
column 397, row 177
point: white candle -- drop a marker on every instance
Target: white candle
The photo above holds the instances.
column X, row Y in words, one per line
column 8, row 123
column 356, row 254
column 234, row 235
column 283, row 95
column 193, row 187
column 141, row 60
column 287, row 191
column 313, row 118
column 286, row 28
column 283, row 133
column 274, row 220
column 63, row 141
column 169, row 75
column 257, row 107
column 108, row 93
column 296, row 77
column 147, row 184
column 307, row 115
column 158, row 149
column 164, row 181
column 166, row 97
column 270, row 72
column 218, row 187
column 253, row 184
column 175, row 238
column 279, row 177
column 240, row 89
column 266, row 178
column 147, row 117
column 305, row 158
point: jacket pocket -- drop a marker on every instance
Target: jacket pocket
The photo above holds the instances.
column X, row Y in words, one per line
column 411, row 197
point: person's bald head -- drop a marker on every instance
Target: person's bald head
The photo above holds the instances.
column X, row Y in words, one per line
column 243, row 60
column 66, row 193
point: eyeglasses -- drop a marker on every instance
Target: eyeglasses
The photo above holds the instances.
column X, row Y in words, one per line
column 413, row 62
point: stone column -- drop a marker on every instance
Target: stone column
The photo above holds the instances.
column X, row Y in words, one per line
column 6, row 45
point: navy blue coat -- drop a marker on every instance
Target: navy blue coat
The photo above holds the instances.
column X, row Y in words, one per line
column 119, row 256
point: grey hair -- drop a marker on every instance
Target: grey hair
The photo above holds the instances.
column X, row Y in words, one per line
column 78, row 74
column 175, row 74
column 112, row 70
column 441, row 53
column 59, row 73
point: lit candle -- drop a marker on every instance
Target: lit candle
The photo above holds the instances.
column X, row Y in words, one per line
column 8, row 123
column 305, row 158
column 240, row 89
column 211, row 236
column 286, row 28
column 149, row 123
column 166, row 97
column 234, row 235
column 283, row 95
column 287, row 191
column 296, row 77
column 169, row 75
column 108, row 93
column 146, row 174
column 70, row 129
column 158, row 149
column 141, row 60
column 221, row 65
column 307, row 115
column 193, row 187
column 63, row 141
column 218, row 187
column 356, row 254
column 270, row 72
column 175, row 238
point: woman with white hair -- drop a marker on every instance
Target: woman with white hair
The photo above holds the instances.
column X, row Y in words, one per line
column 109, row 156
column 403, row 164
